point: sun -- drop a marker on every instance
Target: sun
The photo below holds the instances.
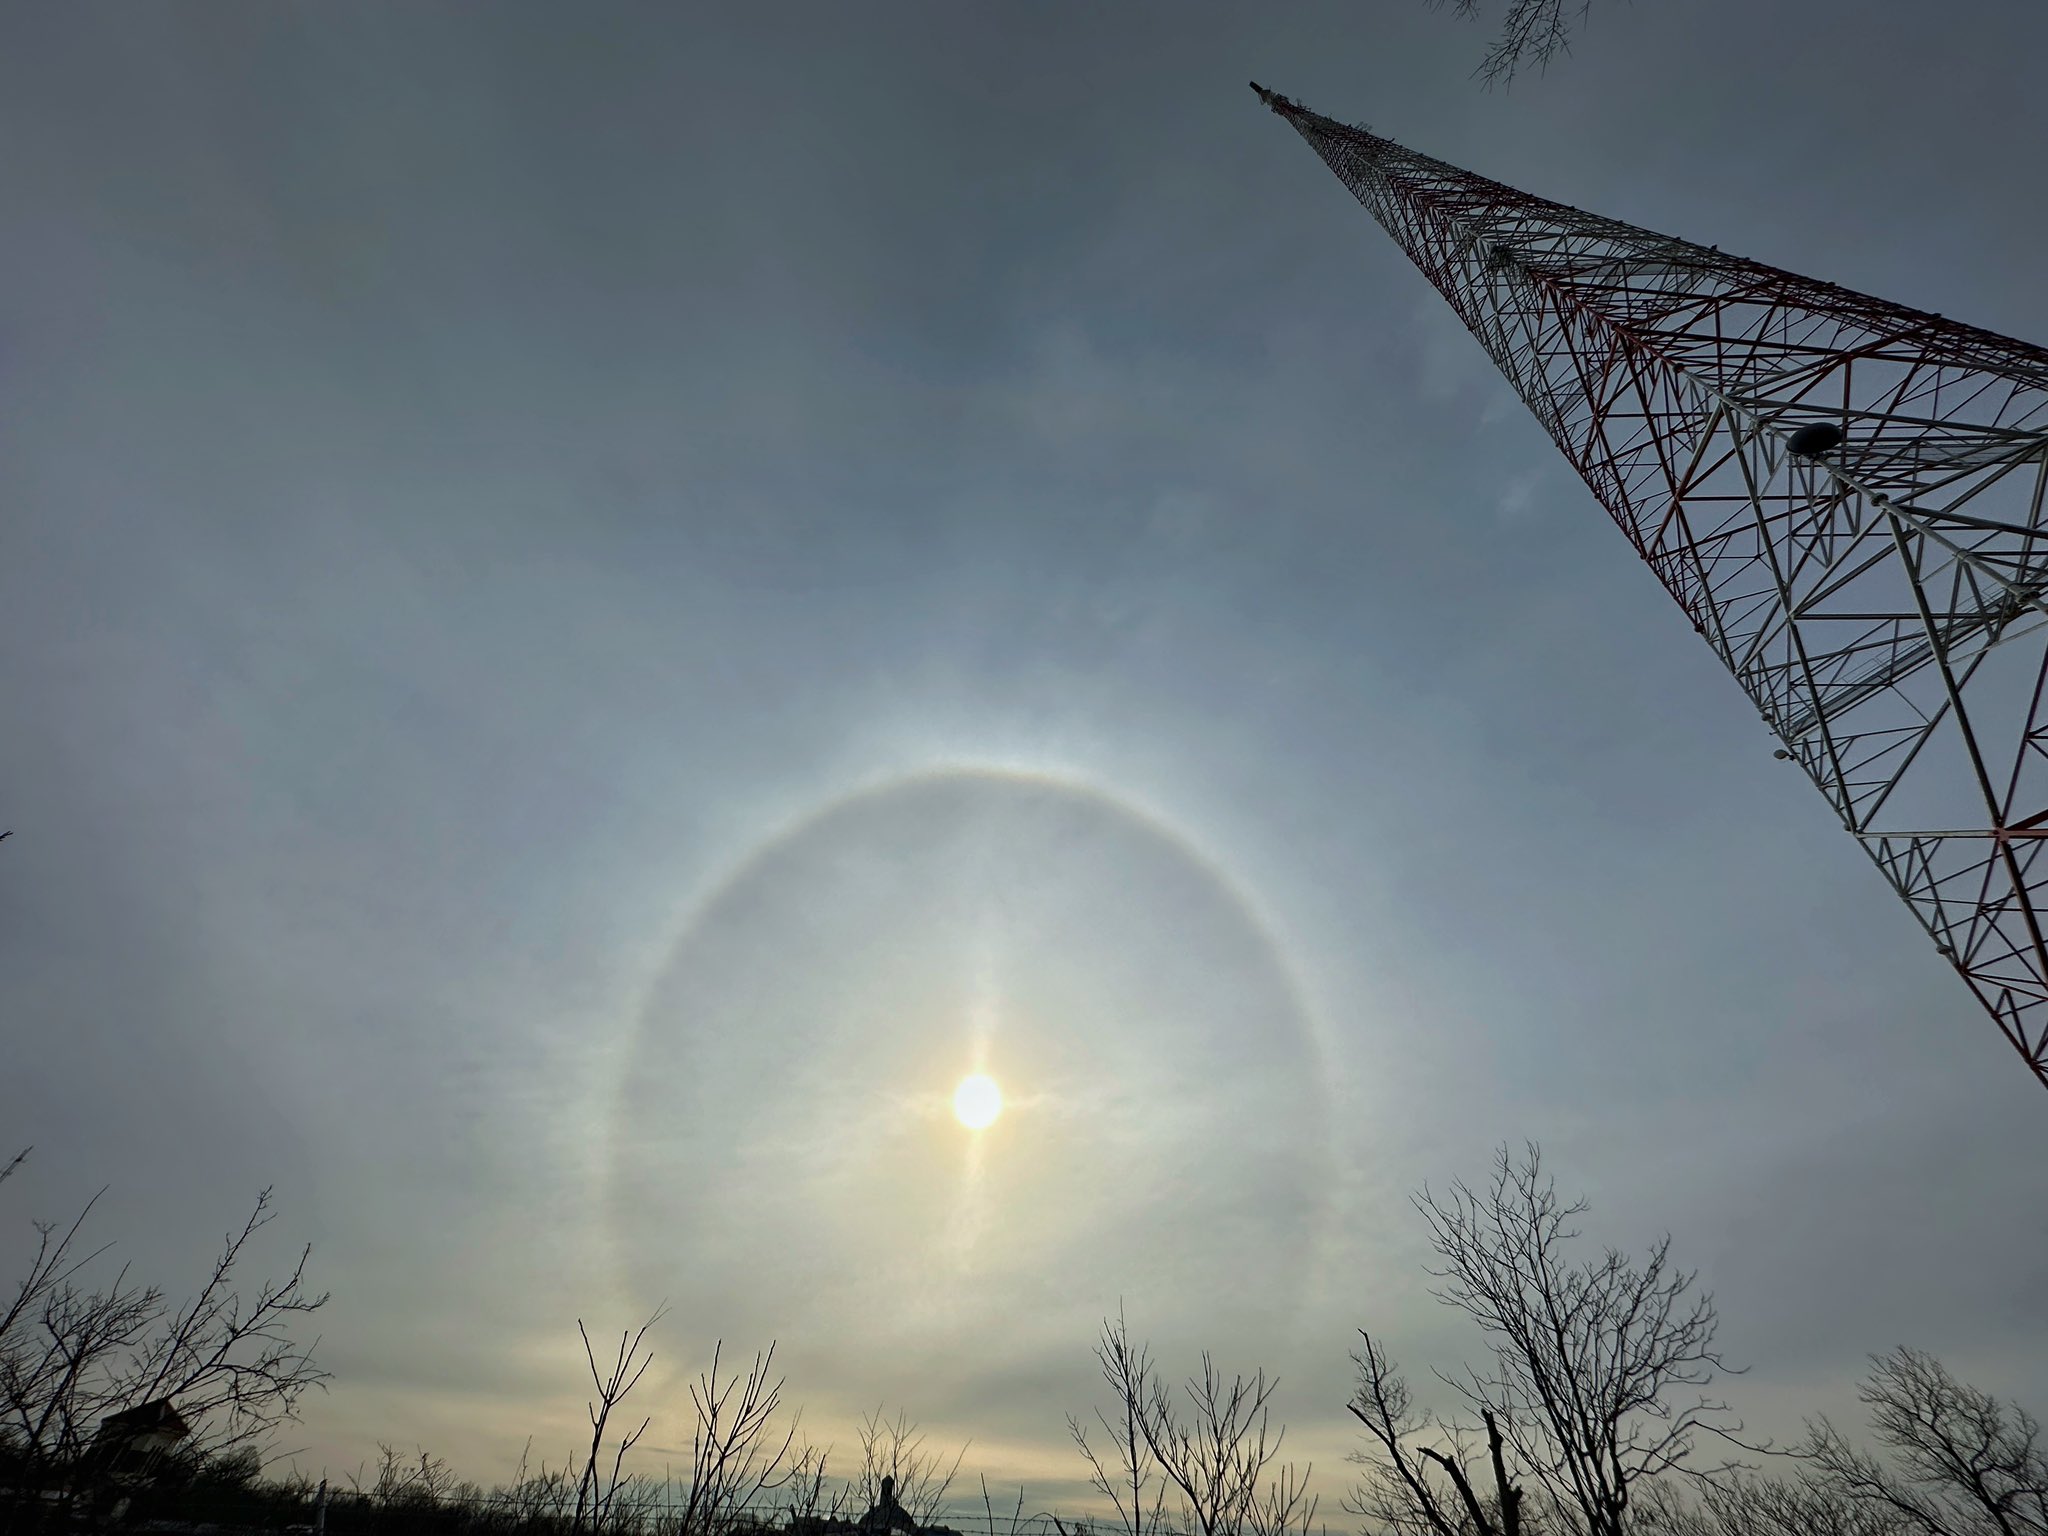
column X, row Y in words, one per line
column 977, row 1101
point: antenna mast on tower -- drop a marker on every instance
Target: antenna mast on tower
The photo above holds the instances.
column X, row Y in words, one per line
column 1844, row 495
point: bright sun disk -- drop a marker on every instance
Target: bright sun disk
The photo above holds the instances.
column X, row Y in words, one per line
column 977, row 1101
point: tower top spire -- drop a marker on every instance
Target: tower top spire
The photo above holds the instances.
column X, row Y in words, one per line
column 1275, row 100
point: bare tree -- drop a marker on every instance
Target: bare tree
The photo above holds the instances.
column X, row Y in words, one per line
column 1533, row 34
column 1284, row 1506
column 534, row 1497
column 1216, row 1450
column 1131, row 1481
column 61, row 1351
column 810, row 1497
column 1216, row 1454
column 736, row 1454
column 895, row 1448
column 1963, row 1463
column 1414, row 1454
column 1748, row 1505
column 642, row 1504
column 51, row 1269
column 594, row 1498
column 415, row 1482
column 1594, row 1368
column 240, row 1467
column 229, row 1362
column 71, row 1355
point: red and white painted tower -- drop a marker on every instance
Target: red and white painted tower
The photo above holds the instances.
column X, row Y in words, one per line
column 1844, row 495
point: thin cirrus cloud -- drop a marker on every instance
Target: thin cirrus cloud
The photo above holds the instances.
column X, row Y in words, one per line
column 593, row 608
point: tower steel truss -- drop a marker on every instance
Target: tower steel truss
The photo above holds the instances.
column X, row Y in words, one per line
column 1844, row 495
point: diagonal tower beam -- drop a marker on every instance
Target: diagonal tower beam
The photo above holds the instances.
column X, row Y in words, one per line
column 1843, row 494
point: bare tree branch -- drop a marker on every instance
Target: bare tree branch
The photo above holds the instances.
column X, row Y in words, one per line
column 1216, row 1449
column 1398, row 1493
column 73, row 1356
column 896, row 1449
column 594, row 1499
column 736, row 1454
column 1591, row 1387
column 1966, row 1464
column 1533, row 34
column 1134, row 1488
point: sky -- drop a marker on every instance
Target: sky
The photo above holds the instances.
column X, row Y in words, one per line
column 600, row 602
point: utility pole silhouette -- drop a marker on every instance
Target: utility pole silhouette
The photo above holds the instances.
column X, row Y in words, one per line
column 1843, row 494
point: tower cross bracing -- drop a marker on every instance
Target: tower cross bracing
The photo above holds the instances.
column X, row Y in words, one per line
column 1844, row 495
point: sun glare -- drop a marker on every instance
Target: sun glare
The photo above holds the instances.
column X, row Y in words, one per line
column 977, row 1101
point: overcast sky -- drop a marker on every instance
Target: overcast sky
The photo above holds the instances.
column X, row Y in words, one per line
column 598, row 602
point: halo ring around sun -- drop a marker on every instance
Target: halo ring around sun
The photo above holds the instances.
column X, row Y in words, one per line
column 783, row 1095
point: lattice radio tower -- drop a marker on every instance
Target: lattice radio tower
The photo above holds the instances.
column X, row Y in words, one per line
column 1844, row 495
